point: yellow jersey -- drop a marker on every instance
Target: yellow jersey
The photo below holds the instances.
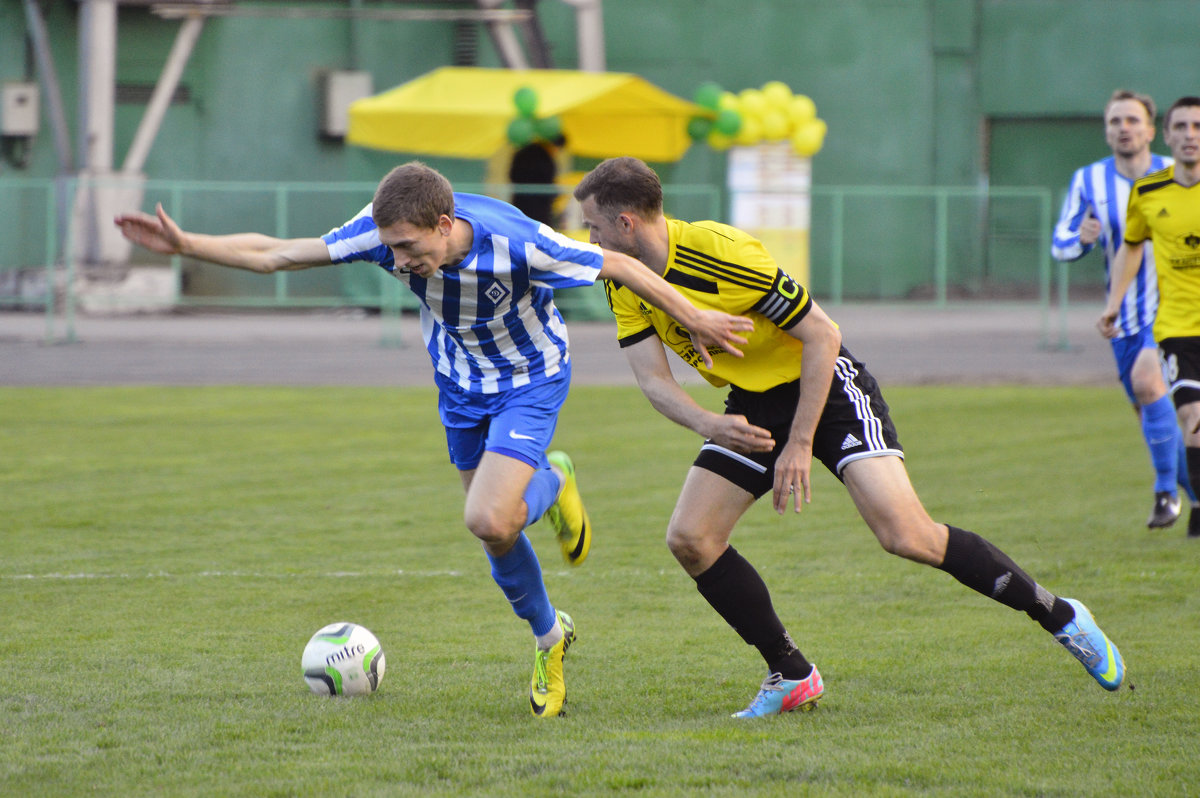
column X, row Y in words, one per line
column 1168, row 213
column 718, row 267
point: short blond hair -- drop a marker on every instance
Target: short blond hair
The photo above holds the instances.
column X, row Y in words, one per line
column 1125, row 94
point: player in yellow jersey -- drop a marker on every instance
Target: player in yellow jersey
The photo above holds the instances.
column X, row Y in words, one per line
column 797, row 393
column 1164, row 207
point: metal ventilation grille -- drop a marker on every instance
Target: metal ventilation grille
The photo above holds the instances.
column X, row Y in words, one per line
column 466, row 44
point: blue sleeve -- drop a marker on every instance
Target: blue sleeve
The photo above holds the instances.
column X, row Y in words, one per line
column 358, row 239
column 559, row 261
column 1066, row 245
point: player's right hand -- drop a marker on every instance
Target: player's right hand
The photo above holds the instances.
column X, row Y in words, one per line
column 1107, row 323
column 157, row 233
column 734, row 432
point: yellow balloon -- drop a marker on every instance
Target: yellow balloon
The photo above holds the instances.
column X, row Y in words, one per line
column 807, row 140
column 751, row 131
column 777, row 94
column 718, row 140
column 728, row 100
column 775, row 125
column 752, row 102
column 801, row 109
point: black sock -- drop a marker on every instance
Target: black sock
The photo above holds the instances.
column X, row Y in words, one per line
column 984, row 568
column 1193, row 464
column 739, row 595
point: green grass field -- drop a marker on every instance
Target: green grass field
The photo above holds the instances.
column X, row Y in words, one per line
column 167, row 552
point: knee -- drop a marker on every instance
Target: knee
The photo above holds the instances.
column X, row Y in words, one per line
column 919, row 543
column 686, row 547
column 490, row 527
column 1147, row 392
column 1147, row 383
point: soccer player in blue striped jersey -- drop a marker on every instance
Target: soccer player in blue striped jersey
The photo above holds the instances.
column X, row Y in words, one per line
column 1093, row 213
column 485, row 275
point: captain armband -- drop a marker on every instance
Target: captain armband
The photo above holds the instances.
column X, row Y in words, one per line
column 785, row 303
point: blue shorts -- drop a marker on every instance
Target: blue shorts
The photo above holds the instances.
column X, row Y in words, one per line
column 517, row 423
column 1126, row 350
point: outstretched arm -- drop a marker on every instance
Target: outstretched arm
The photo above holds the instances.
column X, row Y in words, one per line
column 250, row 251
column 1125, row 267
column 653, row 373
column 706, row 327
column 822, row 342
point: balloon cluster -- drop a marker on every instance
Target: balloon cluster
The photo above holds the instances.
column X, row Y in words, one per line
column 770, row 113
column 526, row 126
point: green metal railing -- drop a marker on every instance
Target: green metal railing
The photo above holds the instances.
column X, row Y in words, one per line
column 1050, row 273
column 18, row 250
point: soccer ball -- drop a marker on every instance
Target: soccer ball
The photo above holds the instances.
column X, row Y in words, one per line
column 343, row 659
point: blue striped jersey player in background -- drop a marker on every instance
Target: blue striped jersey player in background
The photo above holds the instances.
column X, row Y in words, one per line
column 1093, row 213
column 485, row 275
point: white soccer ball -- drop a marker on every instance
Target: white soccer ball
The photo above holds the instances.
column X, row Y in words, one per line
column 343, row 659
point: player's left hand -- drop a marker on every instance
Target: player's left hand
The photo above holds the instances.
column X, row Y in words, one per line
column 715, row 328
column 792, row 471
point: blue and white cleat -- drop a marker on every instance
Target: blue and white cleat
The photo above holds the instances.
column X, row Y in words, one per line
column 1088, row 644
column 778, row 695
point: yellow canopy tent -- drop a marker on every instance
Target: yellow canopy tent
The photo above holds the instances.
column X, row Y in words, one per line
column 464, row 112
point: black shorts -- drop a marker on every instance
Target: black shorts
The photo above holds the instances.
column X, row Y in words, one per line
column 855, row 424
column 1181, row 359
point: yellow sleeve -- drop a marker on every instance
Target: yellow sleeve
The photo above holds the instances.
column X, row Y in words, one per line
column 633, row 324
column 1136, row 229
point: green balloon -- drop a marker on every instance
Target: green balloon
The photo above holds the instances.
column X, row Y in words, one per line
column 521, row 131
column 549, row 128
column 526, row 100
column 728, row 123
column 708, row 95
column 698, row 127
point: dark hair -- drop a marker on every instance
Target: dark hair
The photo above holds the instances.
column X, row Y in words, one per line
column 1182, row 102
column 620, row 184
column 413, row 193
column 1125, row 94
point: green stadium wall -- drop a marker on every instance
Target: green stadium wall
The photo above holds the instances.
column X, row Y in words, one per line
column 915, row 93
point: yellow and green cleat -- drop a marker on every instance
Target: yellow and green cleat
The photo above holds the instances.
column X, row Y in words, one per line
column 548, row 688
column 567, row 515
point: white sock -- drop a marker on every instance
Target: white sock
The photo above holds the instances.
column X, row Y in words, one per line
column 550, row 639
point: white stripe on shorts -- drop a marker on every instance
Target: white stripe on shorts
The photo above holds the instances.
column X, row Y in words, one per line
column 732, row 455
column 1193, row 384
column 872, row 426
column 845, row 461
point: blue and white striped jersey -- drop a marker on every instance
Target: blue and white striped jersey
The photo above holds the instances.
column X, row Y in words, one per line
column 1100, row 189
column 489, row 322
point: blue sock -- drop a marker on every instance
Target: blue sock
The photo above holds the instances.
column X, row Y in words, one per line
column 1181, row 476
column 541, row 493
column 520, row 577
column 1163, row 438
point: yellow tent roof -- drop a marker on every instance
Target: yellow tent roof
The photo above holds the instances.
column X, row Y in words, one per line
column 464, row 112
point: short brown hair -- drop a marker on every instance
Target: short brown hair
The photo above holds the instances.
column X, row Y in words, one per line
column 1182, row 102
column 413, row 193
column 620, row 184
column 1125, row 94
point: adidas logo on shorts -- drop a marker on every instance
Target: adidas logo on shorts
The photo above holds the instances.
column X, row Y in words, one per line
column 850, row 442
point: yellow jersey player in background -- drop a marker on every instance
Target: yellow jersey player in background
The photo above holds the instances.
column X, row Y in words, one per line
column 1164, row 207
column 797, row 393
